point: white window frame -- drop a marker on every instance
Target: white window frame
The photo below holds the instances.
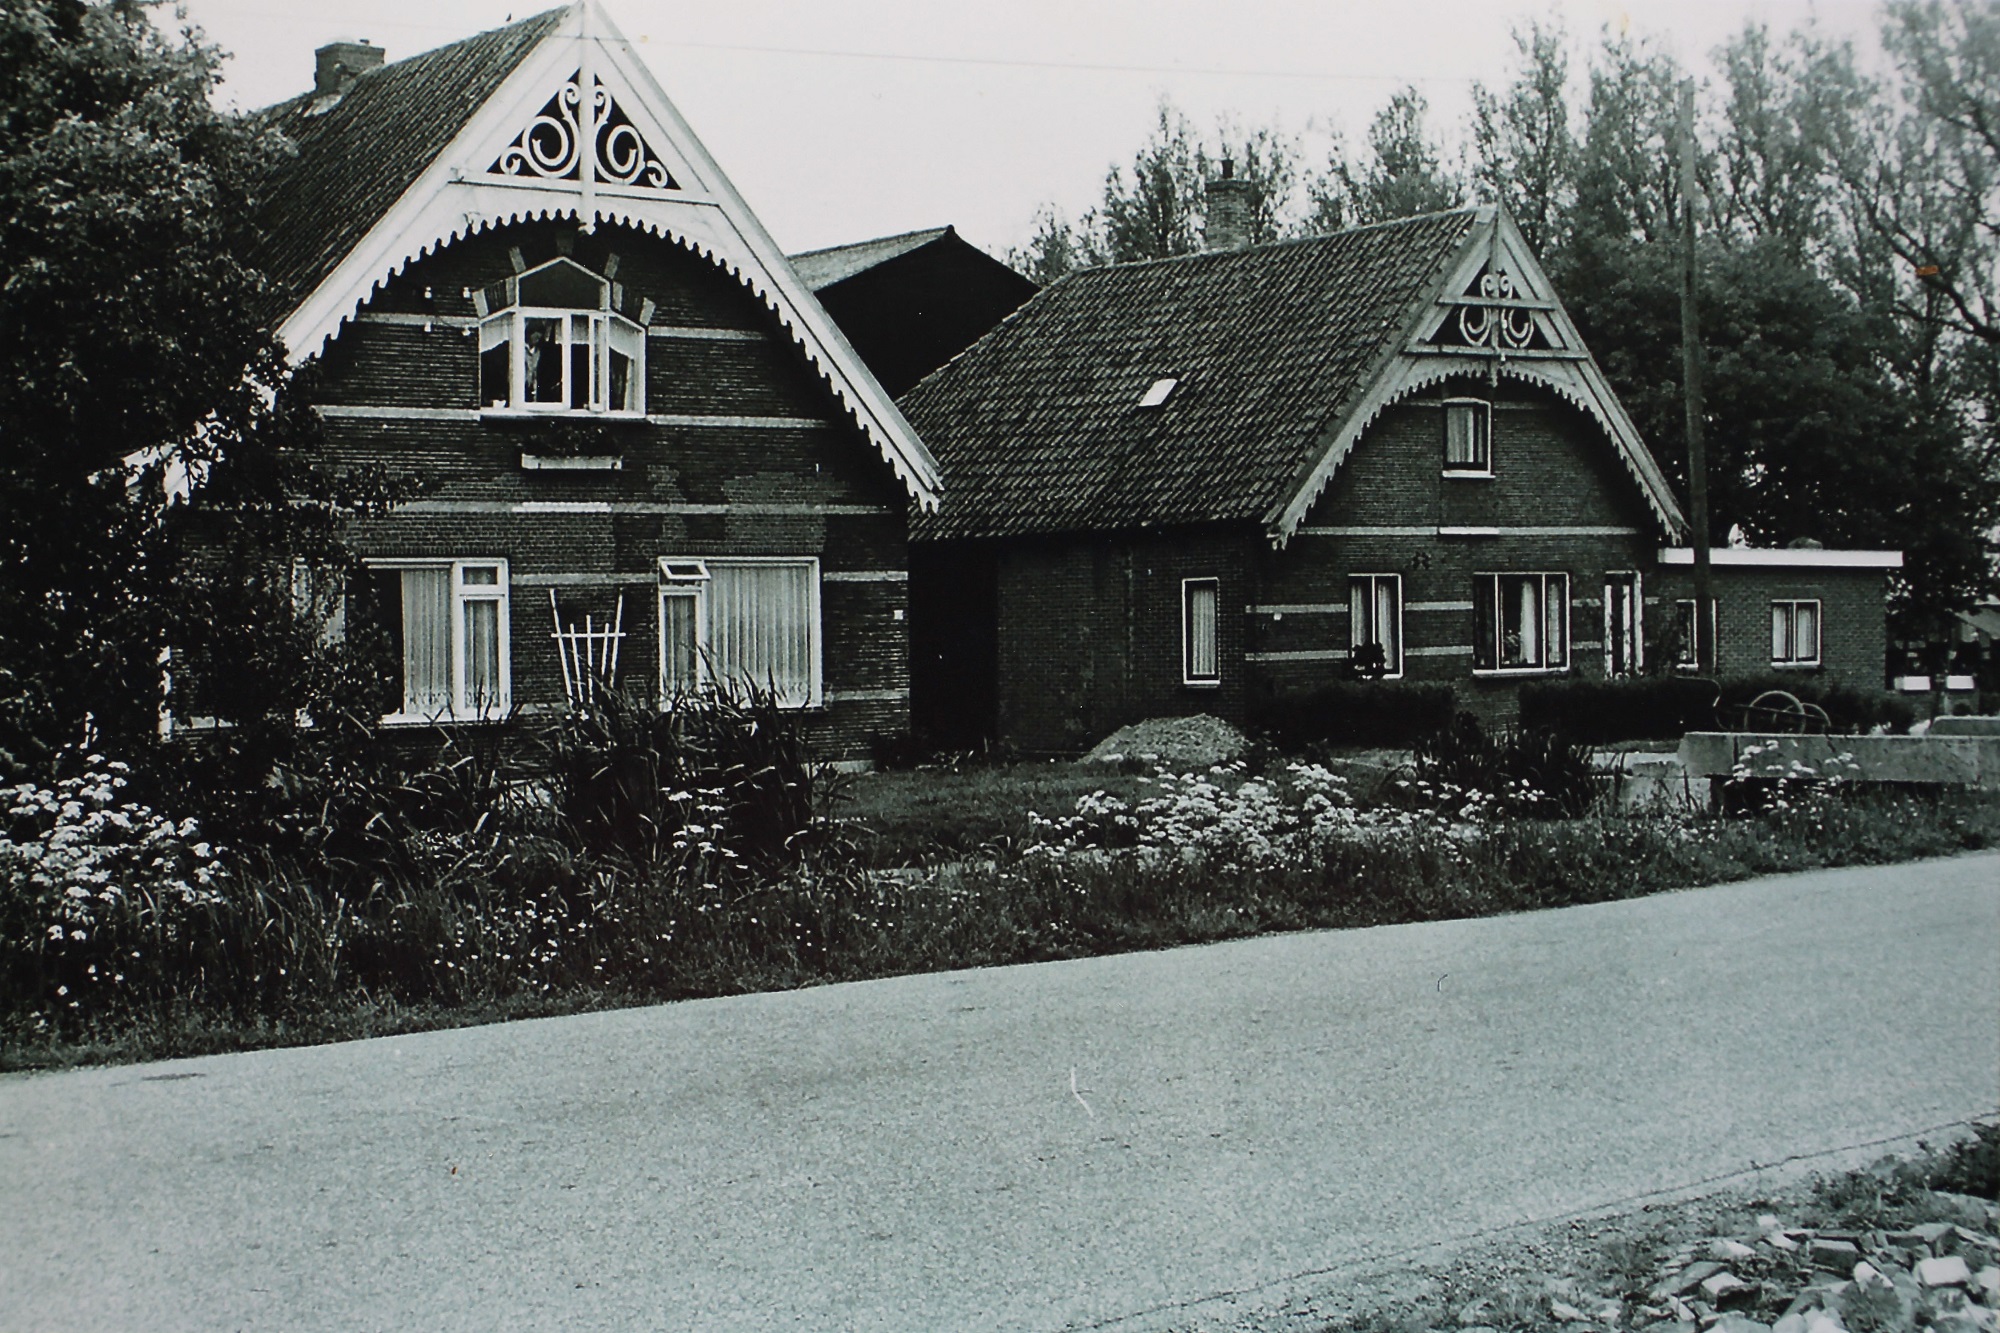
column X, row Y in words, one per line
column 1487, row 583
column 1686, row 652
column 460, row 708
column 1788, row 608
column 1482, row 413
column 1621, row 585
column 691, row 577
column 1188, row 676
column 512, row 325
column 1370, row 582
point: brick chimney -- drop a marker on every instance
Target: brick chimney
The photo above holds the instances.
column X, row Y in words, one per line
column 338, row 64
column 1229, row 207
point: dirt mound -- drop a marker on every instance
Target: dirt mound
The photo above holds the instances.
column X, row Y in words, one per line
column 1172, row 742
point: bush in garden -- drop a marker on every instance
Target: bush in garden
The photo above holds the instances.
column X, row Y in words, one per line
column 1538, row 773
column 1377, row 713
column 93, row 886
column 1597, row 712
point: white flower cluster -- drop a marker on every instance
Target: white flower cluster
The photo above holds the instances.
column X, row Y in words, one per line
column 1232, row 822
column 76, row 854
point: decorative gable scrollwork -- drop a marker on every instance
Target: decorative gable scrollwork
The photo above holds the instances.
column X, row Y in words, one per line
column 553, row 144
column 1495, row 325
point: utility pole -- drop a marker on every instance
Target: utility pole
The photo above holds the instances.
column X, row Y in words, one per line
column 1697, row 447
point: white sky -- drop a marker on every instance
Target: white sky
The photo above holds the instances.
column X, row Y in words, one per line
column 841, row 120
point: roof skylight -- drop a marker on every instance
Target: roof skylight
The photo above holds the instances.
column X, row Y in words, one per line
column 1159, row 393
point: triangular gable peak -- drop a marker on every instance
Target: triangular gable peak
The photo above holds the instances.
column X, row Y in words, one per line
column 540, row 149
column 1493, row 313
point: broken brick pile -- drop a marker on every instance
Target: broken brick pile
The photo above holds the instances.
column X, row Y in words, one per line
column 1939, row 1277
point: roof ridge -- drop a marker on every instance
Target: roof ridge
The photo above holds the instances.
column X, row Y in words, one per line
column 404, row 62
column 874, row 240
column 1283, row 242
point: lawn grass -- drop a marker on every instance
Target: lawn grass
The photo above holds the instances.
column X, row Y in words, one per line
column 916, row 816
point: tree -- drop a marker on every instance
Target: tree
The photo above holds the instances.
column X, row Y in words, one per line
column 1404, row 176
column 133, row 351
column 1627, row 172
column 1525, row 153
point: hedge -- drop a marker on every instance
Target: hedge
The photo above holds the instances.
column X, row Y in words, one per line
column 1387, row 713
column 1665, row 707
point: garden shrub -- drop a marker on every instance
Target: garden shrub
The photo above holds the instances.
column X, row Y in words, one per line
column 1539, row 773
column 1378, row 713
column 1668, row 707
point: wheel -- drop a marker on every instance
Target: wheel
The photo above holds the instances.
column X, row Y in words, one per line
column 1781, row 710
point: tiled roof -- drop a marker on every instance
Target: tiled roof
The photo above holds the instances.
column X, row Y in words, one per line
column 822, row 268
column 358, row 157
column 1038, row 425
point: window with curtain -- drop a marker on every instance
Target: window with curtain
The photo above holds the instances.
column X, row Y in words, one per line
column 1795, row 633
column 1468, row 435
column 560, row 344
column 1684, row 644
column 1375, row 624
column 1624, row 624
column 1521, row 622
column 1201, row 656
column 748, row 624
column 449, row 625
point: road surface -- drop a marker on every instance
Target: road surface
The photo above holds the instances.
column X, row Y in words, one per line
column 1112, row 1142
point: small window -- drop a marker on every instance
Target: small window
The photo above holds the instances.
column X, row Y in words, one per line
column 1684, row 647
column 1375, row 625
column 561, row 346
column 1521, row 622
column 1468, row 436
column 1161, row 390
column 1201, row 656
column 749, row 624
column 1624, row 624
column 1795, row 633
column 448, row 621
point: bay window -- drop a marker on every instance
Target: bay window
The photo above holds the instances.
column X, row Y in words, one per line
column 1375, row 624
column 741, row 624
column 448, row 623
column 559, row 344
column 1521, row 622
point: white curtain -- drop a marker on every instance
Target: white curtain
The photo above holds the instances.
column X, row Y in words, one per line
column 482, row 654
column 1805, row 634
column 427, row 642
column 1203, row 660
column 678, row 643
column 760, row 628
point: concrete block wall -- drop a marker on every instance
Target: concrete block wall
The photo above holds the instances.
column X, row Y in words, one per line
column 785, row 475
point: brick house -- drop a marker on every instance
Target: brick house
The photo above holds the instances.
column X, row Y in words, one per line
column 1188, row 485
column 524, row 280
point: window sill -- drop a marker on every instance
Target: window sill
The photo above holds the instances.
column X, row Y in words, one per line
column 443, row 720
column 1202, row 684
column 1795, row 666
column 557, row 414
column 572, row 462
column 1520, row 671
column 1467, row 474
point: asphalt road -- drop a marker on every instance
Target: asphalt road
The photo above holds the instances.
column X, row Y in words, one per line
column 1068, row 1145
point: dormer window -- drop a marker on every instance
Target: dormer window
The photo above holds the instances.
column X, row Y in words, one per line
column 1468, row 436
column 559, row 344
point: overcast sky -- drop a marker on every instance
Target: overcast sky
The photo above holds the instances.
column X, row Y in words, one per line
column 840, row 120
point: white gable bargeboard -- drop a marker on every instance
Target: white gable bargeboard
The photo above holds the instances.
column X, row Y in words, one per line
column 1493, row 313
column 581, row 129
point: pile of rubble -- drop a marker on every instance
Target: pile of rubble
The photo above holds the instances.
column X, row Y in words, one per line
column 1938, row 1276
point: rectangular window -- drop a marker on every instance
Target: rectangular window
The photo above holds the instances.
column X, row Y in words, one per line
column 747, row 624
column 449, row 623
column 1468, row 436
column 1795, row 633
column 1685, row 658
column 1375, row 625
column 1201, row 655
column 1624, row 624
column 1521, row 622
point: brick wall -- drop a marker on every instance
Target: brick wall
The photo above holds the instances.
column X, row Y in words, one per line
column 788, row 475
column 1560, row 498
column 1853, row 618
column 1090, row 634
